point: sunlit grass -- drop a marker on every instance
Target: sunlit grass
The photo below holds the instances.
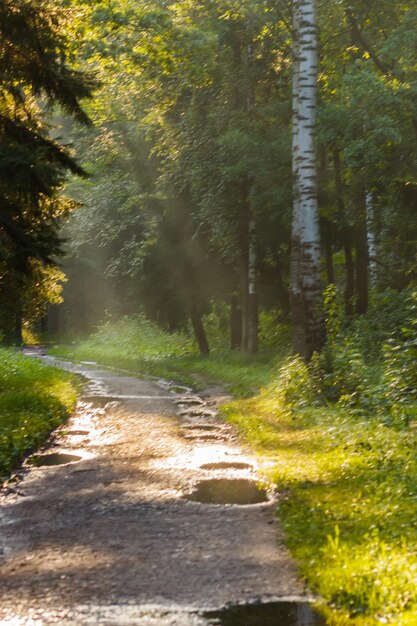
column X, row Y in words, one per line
column 348, row 507
column 145, row 349
column 33, row 400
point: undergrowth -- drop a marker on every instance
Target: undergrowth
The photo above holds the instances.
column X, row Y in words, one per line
column 138, row 345
column 34, row 399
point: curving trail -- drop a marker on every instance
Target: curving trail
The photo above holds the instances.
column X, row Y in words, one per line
column 110, row 539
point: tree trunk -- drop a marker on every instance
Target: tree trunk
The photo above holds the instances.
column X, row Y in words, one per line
column 328, row 250
column 306, row 288
column 198, row 328
column 296, row 288
column 244, row 276
column 235, row 323
column 361, row 261
column 370, row 229
column 346, row 236
column 18, row 330
column 327, row 226
column 252, row 297
column 252, row 288
column 350, row 272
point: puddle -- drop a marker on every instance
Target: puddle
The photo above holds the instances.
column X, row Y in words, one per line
column 197, row 427
column 268, row 614
column 225, row 465
column 228, row 491
column 48, row 460
column 190, row 412
column 203, row 437
column 180, row 389
column 102, row 401
column 190, row 401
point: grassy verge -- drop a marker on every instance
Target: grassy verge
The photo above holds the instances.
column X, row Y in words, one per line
column 34, row 399
column 346, row 470
column 148, row 350
column 348, row 507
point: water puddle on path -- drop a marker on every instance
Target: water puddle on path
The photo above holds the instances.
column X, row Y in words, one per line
column 203, row 437
column 200, row 427
column 269, row 614
column 191, row 401
column 101, row 401
column 228, row 491
column 49, row 460
column 225, row 465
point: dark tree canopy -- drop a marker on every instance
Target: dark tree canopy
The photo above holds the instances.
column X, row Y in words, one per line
column 34, row 77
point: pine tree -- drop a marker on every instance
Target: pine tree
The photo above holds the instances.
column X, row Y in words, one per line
column 34, row 77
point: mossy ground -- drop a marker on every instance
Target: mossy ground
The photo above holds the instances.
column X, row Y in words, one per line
column 347, row 481
column 34, row 400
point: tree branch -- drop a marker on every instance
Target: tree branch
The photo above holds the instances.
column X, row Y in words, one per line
column 360, row 39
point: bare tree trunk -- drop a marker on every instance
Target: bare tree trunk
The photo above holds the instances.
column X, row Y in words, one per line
column 198, row 328
column 244, row 273
column 370, row 229
column 327, row 227
column 252, row 343
column 328, row 250
column 346, row 236
column 18, row 330
column 306, row 288
column 252, row 289
column 350, row 272
column 235, row 323
column 248, row 261
column 296, row 288
column 361, row 261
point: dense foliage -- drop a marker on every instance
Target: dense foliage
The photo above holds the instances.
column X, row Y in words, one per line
column 190, row 198
column 34, row 75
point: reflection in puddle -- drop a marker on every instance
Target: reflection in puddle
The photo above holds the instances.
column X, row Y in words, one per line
column 225, row 465
column 101, row 401
column 56, row 458
column 203, row 437
column 197, row 427
column 269, row 614
column 191, row 401
column 196, row 412
column 228, row 491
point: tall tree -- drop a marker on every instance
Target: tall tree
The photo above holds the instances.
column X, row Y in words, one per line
column 34, row 75
column 306, row 286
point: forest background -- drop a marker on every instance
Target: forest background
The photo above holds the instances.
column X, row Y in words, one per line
column 181, row 225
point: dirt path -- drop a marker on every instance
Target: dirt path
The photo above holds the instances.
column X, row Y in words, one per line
column 111, row 540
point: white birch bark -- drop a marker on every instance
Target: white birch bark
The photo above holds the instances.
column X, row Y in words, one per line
column 296, row 286
column 306, row 284
column 370, row 235
column 252, row 256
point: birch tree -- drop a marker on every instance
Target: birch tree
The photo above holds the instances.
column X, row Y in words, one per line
column 306, row 287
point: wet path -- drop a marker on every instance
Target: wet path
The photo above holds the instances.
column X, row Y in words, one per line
column 117, row 533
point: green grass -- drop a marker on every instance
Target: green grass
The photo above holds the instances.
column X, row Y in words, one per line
column 348, row 506
column 144, row 348
column 347, row 478
column 34, row 399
